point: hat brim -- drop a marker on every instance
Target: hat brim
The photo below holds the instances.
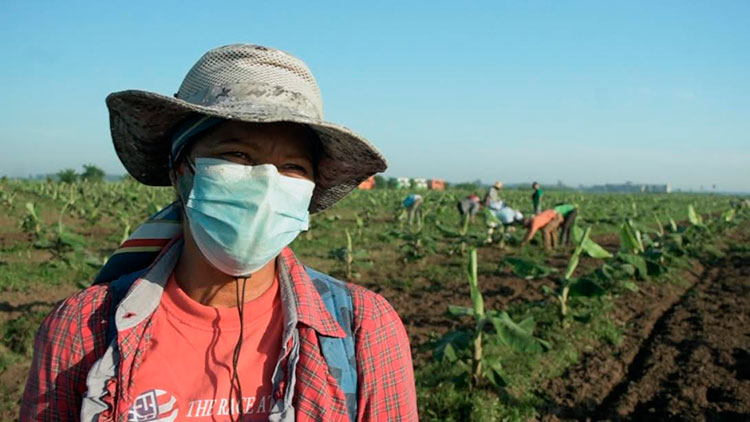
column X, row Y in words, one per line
column 142, row 124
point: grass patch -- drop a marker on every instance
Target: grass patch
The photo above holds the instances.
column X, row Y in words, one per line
column 20, row 276
column 18, row 334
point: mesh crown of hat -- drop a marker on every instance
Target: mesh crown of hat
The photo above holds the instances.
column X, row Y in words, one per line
column 238, row 63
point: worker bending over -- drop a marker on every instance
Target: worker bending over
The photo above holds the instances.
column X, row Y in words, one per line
column 548, row 222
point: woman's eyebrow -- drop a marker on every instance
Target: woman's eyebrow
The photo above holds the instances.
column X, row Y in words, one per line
column 229, row 141
column 298, row 156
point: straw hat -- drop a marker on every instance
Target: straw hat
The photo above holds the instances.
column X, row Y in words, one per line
column 247, row 83
column 498, row 185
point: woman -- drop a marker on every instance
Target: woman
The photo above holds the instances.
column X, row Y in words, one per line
column 492, row 197
column 548, row 221
column 412, row 203
column 468, row 208
column 215, row 319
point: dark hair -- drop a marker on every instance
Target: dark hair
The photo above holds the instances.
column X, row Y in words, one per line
column 317, row 149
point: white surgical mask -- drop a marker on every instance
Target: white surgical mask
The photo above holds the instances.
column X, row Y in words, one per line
column 242, row 216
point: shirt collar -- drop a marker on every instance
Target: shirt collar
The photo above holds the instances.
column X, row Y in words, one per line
column 308, row 305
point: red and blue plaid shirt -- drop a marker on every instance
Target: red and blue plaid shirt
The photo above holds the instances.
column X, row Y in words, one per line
column 72, row 338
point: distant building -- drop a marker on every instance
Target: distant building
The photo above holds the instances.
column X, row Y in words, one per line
column 436, row 184
column 419, row 183
column 659, row 188
column 630, row 187
column 403, row 183
column 367, row 184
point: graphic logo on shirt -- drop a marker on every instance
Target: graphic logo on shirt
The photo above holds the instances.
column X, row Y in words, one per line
column 153, row 406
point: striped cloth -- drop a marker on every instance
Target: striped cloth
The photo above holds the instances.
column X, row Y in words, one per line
column 144, row 245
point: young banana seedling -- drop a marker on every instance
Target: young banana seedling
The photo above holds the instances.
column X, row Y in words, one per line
column 568, row 282
column 474, row 352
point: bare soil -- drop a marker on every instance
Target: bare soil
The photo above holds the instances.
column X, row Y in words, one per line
column 423, row 305
column 685, row 356
column 13, row 304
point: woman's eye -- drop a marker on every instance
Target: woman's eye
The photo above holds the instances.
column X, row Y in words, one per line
column 294, row 169
column 237, row 157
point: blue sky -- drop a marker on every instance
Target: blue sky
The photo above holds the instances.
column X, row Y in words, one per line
column 579, row 91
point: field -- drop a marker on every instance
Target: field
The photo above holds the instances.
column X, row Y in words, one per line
column 645, row 316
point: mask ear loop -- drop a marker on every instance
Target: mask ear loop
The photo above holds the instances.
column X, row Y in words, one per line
column 173, row 173
column 235, row 385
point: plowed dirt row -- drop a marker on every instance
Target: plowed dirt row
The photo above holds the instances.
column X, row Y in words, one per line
column 690, row 363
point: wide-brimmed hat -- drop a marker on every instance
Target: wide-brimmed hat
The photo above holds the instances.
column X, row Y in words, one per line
column 248, row 83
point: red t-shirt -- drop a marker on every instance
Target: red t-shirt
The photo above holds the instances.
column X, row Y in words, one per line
column 186, row 373
column 542, row 219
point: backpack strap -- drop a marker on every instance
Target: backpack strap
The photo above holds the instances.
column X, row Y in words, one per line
column 339, row 352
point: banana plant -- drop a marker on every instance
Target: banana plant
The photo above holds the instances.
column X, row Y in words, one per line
column 459, row 240
column 65, row 241
column 695, row 218
column 631, row 239
column 348, row 256
column 7, row 198
column 673, row 225
column 360, row 221
column 570, row 284
column 474, row 352
column 527, row 267
column 492, row 223
column 659, row 226
column 31, row 223
column 418, row 244
column 728, row 215
column 591, row 248
column 125, row 222
column 567, row 280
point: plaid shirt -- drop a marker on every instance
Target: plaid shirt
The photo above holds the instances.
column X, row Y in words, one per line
column 72, row 338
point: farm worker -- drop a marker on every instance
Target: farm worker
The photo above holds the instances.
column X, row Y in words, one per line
column 569, row 212
column 469, row 207
column 412, row 203
column 492, row 197
column 509, row 216
column 547, row 221
column 225, row 323
column 536, row 197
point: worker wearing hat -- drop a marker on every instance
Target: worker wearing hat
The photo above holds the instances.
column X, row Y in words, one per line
column 205, row 313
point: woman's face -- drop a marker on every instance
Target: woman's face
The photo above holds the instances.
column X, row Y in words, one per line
column 288, row 146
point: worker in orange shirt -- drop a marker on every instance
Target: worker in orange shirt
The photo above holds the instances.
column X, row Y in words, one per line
column 548, row 221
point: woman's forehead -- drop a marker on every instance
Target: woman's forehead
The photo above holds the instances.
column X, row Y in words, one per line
column 285, row 137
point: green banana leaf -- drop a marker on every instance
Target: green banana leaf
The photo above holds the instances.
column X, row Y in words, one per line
column 527, row 268
column 517, row 336
column 476, row 295
column 630, row 239
column 573, row 262
column 694, row 217
column 591, row 248
column 455, row 310
column 585, row 287
column 451, row 345
column 637, row 262
column 728, row 215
